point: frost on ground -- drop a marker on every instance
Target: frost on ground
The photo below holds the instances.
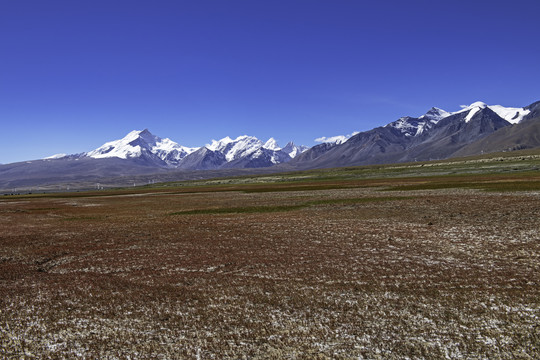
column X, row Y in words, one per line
column 352, row 273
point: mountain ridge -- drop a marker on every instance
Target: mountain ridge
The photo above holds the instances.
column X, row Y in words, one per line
column 244, row 151
column 435, row 135
column 475, row 129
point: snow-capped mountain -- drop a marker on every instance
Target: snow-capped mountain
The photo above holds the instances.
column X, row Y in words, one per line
column 411, row 126
column 294, row 150
column 56, row 156
column 242, row 152
column 145, row 148
column 237, row 148
column 437, row 134
column 510, row 114
column 142, row 144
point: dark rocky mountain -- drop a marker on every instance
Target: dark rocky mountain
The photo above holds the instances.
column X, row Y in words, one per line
column 435, row 135
column 534, row 109
column 203, row 159
column 453, row 133
column 525, row 135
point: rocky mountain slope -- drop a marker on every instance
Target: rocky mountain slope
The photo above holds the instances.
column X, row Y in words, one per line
column 435, row 135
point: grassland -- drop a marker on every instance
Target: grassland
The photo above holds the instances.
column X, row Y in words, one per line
column 375, row 262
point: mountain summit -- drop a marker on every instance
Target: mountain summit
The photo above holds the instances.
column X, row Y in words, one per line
column 143, row 145
column 148, row 149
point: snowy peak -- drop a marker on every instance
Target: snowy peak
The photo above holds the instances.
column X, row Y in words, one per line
column 55, row 156
column 435, row 114
column 219, row 145
column 129, row 146
column 412, row 127
column 294, row 150
column 271, row 144
column 249, row 146
column 510, row 114
column 237, row 148
column 244, row 151
column 476, row 104
column 142, row 143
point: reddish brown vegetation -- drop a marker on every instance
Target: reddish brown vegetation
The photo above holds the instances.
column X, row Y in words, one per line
column 440, row 273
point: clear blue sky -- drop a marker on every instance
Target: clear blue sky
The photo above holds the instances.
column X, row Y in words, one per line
column 75, row 74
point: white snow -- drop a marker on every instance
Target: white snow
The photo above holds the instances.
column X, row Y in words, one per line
column 233, row 148
column 251, row 146
column 338, row 139
column 219, row 145
column 138, row 141
column 414, row 127
column 510, row 114
column 471, row 113
column 473, row 105
column 420, row 128
column 435, row 114
column 56, row 156
column 293, row 153
column 404, row 126
column 118, row 148
column 243, row 146
column 294, row 150
column 271, row 144
column 237, row 148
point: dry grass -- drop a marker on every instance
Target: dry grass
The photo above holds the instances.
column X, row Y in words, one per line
column 323, row 272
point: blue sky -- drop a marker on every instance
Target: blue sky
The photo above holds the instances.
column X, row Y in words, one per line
column 75, row 74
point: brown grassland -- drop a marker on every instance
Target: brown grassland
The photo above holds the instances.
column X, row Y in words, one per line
column 415, row 267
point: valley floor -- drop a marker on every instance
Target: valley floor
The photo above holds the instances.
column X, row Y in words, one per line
column 343, row 269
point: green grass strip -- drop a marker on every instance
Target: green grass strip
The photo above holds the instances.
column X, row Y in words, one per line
column 280, row 208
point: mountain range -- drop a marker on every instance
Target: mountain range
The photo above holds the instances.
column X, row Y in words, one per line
column 438, row 134
column 146, row 148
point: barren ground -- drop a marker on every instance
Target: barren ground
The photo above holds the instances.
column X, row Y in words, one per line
column 331, row 270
